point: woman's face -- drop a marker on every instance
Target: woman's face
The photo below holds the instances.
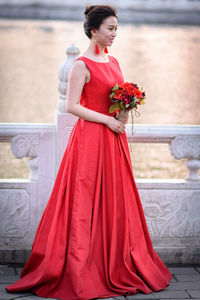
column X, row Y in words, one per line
column 107, row 31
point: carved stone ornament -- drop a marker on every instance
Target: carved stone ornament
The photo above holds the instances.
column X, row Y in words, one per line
column 25, row 145
column 185, row 147
column 14, row 214
column 172, row 214
column 188, row 147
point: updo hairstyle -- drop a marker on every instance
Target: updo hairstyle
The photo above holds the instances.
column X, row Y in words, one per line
column 94, row 16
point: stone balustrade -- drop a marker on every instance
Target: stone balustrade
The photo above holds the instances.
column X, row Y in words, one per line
column 171, row 206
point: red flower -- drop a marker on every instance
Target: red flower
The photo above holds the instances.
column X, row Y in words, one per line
column 127, row 87
column 118, row 94
column 138, row 93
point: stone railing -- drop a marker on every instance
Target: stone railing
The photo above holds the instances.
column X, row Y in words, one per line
column 184, row 142
column 171, row 206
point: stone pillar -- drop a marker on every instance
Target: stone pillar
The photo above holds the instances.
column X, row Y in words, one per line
column 64, row 121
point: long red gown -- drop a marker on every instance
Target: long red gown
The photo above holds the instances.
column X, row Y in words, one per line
column 92, row 240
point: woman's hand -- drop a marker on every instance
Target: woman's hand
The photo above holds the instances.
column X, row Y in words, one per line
column 116, row 125
column 123, row 116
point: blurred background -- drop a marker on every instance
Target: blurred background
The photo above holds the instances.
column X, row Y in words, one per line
column 157, row 46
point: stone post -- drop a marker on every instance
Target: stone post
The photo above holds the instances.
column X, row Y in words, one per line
column 64, row 121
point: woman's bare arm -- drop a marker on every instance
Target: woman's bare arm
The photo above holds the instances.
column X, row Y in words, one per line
column 76, row 81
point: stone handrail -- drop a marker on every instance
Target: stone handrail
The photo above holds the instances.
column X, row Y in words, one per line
column 24, row 140
column 183, row 140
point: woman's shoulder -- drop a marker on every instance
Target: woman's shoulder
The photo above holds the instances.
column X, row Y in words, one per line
column 78, row 68
column 78, row 64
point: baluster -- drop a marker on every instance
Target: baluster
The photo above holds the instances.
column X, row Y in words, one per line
column 188, row 147
column 72, row 52
column 64, row 121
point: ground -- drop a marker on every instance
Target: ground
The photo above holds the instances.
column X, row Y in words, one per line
column 185, row 284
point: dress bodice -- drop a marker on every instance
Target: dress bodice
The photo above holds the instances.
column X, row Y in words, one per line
column 103, row 76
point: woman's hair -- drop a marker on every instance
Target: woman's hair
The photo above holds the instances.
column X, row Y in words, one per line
column 94, row 16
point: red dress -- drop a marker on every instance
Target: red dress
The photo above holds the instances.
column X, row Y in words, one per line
column 92, row 240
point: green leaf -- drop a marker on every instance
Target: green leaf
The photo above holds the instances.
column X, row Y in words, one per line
column 114, row 107
column 115, row 87
column 112, row 95
column 121, row 106
column 142, row 102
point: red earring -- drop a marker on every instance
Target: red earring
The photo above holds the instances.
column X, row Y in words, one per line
column 97, row 51
column 106, row 49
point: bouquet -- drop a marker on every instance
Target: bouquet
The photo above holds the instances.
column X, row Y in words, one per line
column 126, row 96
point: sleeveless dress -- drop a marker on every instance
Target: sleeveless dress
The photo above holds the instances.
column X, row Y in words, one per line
column 92, row 240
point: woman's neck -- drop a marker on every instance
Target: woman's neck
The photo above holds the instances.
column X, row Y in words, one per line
column 90, row 52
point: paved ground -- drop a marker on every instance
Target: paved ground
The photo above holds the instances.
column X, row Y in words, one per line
column 185, row 284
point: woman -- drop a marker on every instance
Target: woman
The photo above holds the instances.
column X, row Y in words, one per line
column 92, row 240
